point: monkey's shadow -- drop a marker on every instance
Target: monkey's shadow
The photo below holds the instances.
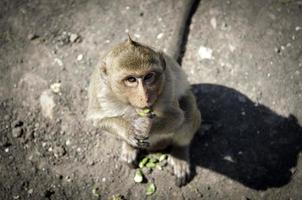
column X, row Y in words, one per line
column 243, row 140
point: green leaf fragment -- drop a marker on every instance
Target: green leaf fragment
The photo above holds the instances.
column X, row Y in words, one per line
column 96, row 192
column 153, row 160
column 143, row 162
column 144, row 112
column 150, row 189
column 138, row 178
column 151, row 165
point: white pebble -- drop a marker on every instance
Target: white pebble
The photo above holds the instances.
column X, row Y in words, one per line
column 137, row 35
column 55, row 87
column 59, row 62
column 80, row 57
column 213, row 23
column 67, row 142
column 298, row 28
column 160, row 35
column 205, row 53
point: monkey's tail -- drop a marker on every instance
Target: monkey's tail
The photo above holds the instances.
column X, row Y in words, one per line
column 180, row 36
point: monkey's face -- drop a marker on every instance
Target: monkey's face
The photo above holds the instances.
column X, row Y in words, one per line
column 136, row 74
column 140, row 89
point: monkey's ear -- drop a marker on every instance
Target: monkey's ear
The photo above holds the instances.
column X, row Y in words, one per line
column 162, row 60
column 130, row 41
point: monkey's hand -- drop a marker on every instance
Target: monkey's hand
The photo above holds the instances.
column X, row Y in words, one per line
column 180, row 163
column 139, row 133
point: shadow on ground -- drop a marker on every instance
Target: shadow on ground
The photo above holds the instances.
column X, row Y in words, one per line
column 244, row 140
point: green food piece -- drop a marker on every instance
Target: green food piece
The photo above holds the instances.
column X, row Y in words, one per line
column 95, row 192
column 144, row 112
column 143, row 162
column 116, row 197
column 162, row 157
column 150, row 189
column 138, row 178
column 151, row 165
column 153, row 160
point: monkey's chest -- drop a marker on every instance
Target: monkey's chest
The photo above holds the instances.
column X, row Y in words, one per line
column 159, row 141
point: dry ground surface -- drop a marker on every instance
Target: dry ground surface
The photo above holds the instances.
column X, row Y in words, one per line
column 243, row 58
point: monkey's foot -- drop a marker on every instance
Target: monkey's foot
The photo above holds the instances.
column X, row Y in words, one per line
column 181, row 170
column 128, row 154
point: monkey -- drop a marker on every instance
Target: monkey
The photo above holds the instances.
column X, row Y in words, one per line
column 132, row 77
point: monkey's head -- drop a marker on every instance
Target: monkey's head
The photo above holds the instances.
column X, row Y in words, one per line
column 135, row 73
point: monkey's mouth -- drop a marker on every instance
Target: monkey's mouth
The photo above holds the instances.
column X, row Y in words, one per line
column 146, row 112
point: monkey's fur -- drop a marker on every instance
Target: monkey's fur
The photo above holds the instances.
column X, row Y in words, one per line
column 132, row 77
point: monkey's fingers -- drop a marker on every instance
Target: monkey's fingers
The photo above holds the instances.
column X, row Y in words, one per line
column 139, row 143
column 141, row 137
column 181, row 170
column 143, row 144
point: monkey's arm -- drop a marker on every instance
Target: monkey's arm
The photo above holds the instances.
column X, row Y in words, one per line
column 168, row 119
column 120, row 127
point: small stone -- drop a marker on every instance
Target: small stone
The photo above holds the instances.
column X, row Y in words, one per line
column 91, row 162
column 67, row 142
column 30, row 191
column 59, row 151
column 17, row 123
column 160, row 35
column 74, row 37
column 213, row 23
column 55, row 87
column 17, row 132
column 32, row 36
column 59, row 62
column 80, row 57
column 47, row 104
column 205, row 53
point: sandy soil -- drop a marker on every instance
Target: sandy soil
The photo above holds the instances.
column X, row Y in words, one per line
column 243, row 59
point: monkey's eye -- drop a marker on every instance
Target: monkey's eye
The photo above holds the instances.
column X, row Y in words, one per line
column 149, row 78
column 131, row 79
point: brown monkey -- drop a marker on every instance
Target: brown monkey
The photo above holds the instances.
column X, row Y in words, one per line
column 133, row 77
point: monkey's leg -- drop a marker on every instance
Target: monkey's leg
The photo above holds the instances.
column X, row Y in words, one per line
column 180, row 158
column 128, row 154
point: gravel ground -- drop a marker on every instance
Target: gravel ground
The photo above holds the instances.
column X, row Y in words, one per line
column 243, row 58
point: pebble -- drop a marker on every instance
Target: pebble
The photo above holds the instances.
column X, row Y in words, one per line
column 47, row 104
column 32, row 36
column 59, row 151
column 205, row 53
column 80, row 57
column 159, row 36
column 17, row 132
column 30, row 191
column 213, row 23
column 74, row 37
column 55, row 87
column 17, row 123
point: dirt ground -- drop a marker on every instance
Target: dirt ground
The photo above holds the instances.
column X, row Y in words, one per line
column 243, row 58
